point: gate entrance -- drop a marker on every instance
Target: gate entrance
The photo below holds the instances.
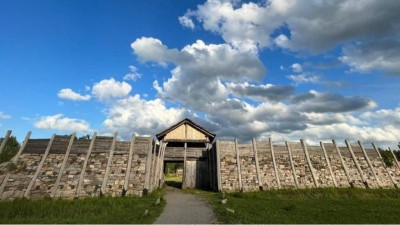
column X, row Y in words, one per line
column 173, row 173
column 190, row 144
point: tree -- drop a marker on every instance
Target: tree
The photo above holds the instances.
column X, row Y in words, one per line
column 10, row 150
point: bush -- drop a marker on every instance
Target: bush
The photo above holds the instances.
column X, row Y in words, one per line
column 10, row 150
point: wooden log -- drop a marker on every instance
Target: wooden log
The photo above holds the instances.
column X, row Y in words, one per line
column 328, row 163
column 260, row 183
column 33, row 180
column 209, row 165
column 81, row 176
column 157, row 164
column 153, row 166
column 128, row 170
column 218, row 156
column 384, row 165
column 53, row 192
column 148, row 169
column 14, row 160
column 109, row 162
column 292, row 164
column 395, row 158
column 184, row 166
column 309, row 163
column 346, row 171
column 370, row 164
column 5, row 140
column 278, row 182
column 357, row 165
column 238, row 166
column 161, row 178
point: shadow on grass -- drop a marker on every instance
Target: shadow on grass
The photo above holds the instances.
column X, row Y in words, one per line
column 175, row 184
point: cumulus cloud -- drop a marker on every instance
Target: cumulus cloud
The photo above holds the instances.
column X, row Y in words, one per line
column 110, row 88
column 260, row 92
column 329, row 102
column 69, row 94
column 59, row 122
column 186, row 22
column 4, row 116
column 134, row 75
column 297, row 68
column 304, row 78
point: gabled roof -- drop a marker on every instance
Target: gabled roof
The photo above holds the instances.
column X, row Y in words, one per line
column 161, row 135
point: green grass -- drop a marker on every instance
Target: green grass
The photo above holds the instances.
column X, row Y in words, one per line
column 308, row 206
column 89, row 210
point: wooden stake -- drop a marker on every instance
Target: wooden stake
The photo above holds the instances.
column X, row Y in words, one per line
column 148, row 169
column 109, row 162
column 157, row 164
column 184, row 167
column 292, row 165
column 33, row 180
column 5, row 140
column 278, row 182
column 384, row 165
column 370, row 164
column 395, row 158
column 81, row 176
column 53, row 192
column 218, row 167
column 309, row 163
column 346, row 171
column 128, row 170
column 328, row 163
column 238, row 166
column 356, row 162
column 260, row 183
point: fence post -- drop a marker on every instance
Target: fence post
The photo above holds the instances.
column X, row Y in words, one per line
column 218, row 152
column 128, row 170
column 343, row 164
column 357, row 165
column 384, row 165
column 238, row 166
column 260, row 183
column 328, row 163
column 109, row 162
column 4, row 142
column 292, row 164
column 395, row 158
column 309, row 163
column 278, row 182
column 370, row 164
column 148, row 169
column 81, row 176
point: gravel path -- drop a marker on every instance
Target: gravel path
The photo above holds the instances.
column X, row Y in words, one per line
column 183, row 208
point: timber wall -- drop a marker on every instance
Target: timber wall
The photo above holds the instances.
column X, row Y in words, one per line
column 67, row 167
column 266, row 165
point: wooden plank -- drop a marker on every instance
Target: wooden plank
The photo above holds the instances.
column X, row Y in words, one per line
column 148, row 169
column 292, row 165
column 218, row 156
column 395, row 158
column 157, row 164
column 238, row 166
column 328, row 163
column 128, row 170
column 28, row 190
column 384, row 165
column 356, row 162
column 346, row 171
column 153, row 166
column 274, row 163
column 260, row 183
column 161, row 177
column 5, row 140
column 109, row 162
column 209, row 166
column 60, row 173
column 309, row 163
column 370, row 164
column 184, row 167
column 81, row 176
column 14, row 160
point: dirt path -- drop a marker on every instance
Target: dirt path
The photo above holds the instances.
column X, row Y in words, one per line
column 183, row 208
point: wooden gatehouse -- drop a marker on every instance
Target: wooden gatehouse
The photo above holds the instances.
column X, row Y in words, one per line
column 189, row 143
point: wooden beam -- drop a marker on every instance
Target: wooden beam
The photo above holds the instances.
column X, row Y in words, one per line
column 346, row 171
column 5, row 140
column 238, row 166
column 309, row 163
column 384, row 165
column 14, row 160
column 184, row 166
column 328, row 163
column 33, row 180
column 129, row 167
column 153, row 166
column 395, row 158
column 157, row 164
column 356, row 162
column 161, row 179
column 109, row 162
column 260, row 183
column 148, row 169
column 53, row 192
column 218, row 156
column 292, row 164
column 370, row 164
column 278, row 182
column 81, row 176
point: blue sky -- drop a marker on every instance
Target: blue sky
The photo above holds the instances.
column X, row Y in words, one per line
column 284, row 69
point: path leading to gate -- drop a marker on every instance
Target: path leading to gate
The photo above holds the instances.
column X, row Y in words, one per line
column 184, row 208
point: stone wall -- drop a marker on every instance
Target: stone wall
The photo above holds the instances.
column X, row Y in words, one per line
column 66, row 167
column 325, row 165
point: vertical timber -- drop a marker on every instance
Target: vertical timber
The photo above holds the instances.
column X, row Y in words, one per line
column 370, row 164
column 346, row 171
column 109, row 162
column 148, row 169
column 89, row 152
column 292, row 164
column 128, row 170
column 218, row 156
column 238, row 165
column 309, row 163
column 5, row 140
column 384, row 165
column 356, row 162
column 328, row 163
column 257, row 164
column 278, row 181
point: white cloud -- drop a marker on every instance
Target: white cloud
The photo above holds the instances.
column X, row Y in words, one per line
column 260, row 92
column 133, row 75
column 297, row 68
column 108, row 89
column 87, row 88
column 59, row 122
column 4, row 116
column 186, row 22
column 69, row 94
column 304, row 78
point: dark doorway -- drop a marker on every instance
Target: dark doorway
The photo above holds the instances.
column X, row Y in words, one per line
column 173, row 172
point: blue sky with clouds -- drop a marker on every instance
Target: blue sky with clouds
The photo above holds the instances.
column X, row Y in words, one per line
column 286, row 69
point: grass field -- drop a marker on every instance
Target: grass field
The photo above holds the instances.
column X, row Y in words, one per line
column 90, row 210
column 308, row 206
